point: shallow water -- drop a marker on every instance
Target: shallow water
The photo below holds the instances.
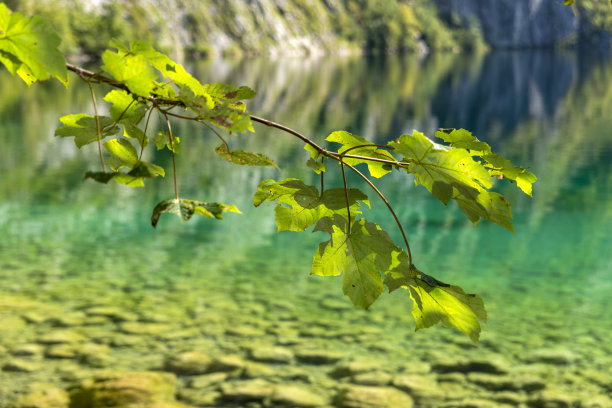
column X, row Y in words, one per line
column 88, row 287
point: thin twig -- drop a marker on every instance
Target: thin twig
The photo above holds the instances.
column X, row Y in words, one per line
column 368, row 145
column 98, row 130
column 142, row 145
column 322, row 176
column 348, row 208
column 218, row 135
column 388, row 206
column 176, row 195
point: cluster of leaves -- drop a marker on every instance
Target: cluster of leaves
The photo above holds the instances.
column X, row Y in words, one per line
column 146, row 80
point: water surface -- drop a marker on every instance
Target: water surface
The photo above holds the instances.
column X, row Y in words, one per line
column 82, row 260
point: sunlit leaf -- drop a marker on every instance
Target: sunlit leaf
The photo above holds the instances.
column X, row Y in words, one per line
column 28, row 47
column 437, row 302
column 185, row 209
column 131, row 69
column 122, row 153
column 162, row 139
column 358, row 146
column 301, row 206
column 244, row 158
column 497, row 165
column 361, row 257
column 84, row 129
column 451, row 173
column 124, row 108
column 229, row 93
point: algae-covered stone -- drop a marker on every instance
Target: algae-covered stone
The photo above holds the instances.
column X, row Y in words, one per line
column 373, row 397
column 114, row 313
column 188, row 363
column 246, row 391
column 61, row 351
column 552, row 356
column 44, row 398
column 61, row 337
column 27, row 350
column 551, row 399
column 148, row 329
column 294, row 396
column 20, row 365
column 123, row 390
column 352, row 368
column 372, row 378
column 206, row 380
column 279, row 355
column 229, row 363
column 423, row 389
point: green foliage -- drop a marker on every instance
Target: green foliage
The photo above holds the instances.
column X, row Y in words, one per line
column 359, row 250
column 185, row 209
column 244, row 158
column 28, row 47
column 84, row 128
column 301, row 206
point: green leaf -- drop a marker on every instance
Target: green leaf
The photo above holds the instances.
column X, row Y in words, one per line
column 28, row 47
column 568, row 2
column 301, row 206
column 185, row 209
column 463, row 139
column 122, row 153
column 437, row 302
column 497, row 165
column 124, row 108
column 167, row 67
column 131, row 69
column 84, row 129
column 162, row 139
column 229, row 93
column 361, row 257
column 134, row 178
column 451, row 173
column 358, row 146
column 244, row 158
column 317, row 166
column 134, row 132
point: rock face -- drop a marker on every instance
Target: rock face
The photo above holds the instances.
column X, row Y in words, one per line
column 514, row 23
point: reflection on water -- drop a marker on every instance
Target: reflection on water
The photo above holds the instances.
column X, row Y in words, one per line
column 81, row 258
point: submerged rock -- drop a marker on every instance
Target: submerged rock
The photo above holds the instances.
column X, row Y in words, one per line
column 188, row 363
column 295, row 396
column 19, row 365
column 279, row 355
column 125, row 390
column 43, row 398
column 353, row 368
column 373, row 397
column 423, row 389
column 246, row 391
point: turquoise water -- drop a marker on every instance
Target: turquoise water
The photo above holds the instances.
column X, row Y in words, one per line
column 88, row 288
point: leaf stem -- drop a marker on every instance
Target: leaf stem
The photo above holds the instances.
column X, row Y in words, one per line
column 98, row 130
column 171, row 137
column 322, row 177
column 388, row 206
column 142, row 146
column 218, row 135
column 348, row 207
